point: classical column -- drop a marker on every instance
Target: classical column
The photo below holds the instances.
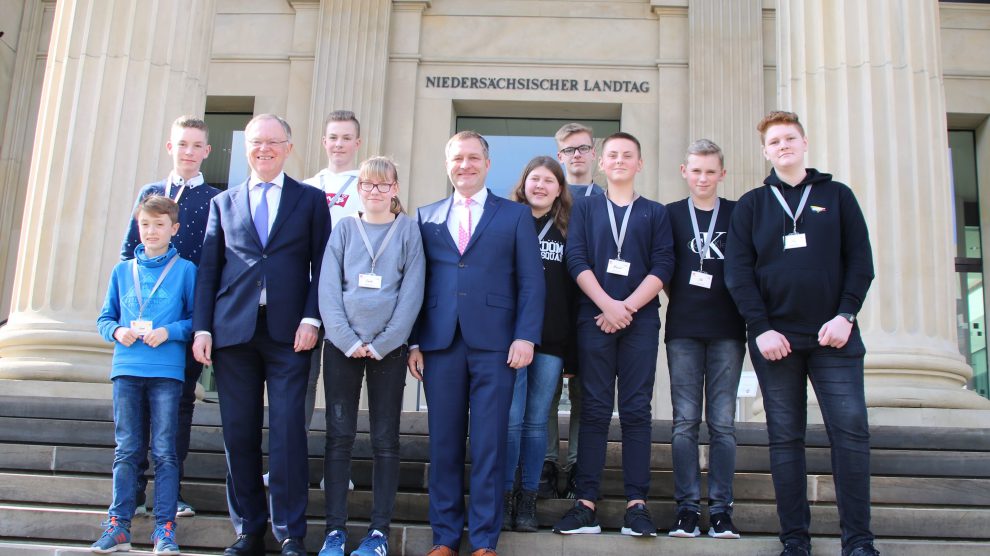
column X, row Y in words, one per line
column 349, row 71
column 866, row 79
column 118, row 73
column 725, row 67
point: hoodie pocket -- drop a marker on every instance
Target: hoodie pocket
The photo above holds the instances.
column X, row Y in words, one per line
column 798, row 295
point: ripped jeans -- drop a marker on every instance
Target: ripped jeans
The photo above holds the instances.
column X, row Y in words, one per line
column 342, row 386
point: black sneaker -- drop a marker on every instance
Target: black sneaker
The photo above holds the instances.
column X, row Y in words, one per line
column 794, row 549
column 526, row 512
column 578, row 520
column 638, row 523
column 722, row 527
column 547, row 488
column 686, row 526
column 865, row 550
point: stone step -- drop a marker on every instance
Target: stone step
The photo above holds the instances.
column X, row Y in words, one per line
column 44, row 530
column 757, row 516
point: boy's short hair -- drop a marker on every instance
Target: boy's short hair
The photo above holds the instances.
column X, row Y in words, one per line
column 704, row 147
column 570, row 129
column 464, row 136
column 778, row 117
column 158, row 205
column 192, row 122
column 342, row 116
column 623, row 135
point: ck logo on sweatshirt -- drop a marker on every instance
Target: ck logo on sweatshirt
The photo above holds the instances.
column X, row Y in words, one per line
column 715, row 250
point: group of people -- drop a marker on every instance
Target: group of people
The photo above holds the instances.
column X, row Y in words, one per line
column 490, row 302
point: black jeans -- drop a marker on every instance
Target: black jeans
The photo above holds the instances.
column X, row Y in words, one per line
column 342, row 386
column 837, row 377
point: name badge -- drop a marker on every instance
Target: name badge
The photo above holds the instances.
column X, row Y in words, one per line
column 795, row 241
column 141, row 327
column 618, row 266
column 372, row 281
column 701, row 279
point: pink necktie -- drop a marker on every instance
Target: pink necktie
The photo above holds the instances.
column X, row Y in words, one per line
column 464, row 234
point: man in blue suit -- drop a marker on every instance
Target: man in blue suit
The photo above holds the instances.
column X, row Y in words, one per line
column 256, row 319
column 481, row 317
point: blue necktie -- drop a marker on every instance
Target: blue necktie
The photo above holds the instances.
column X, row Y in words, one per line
column 261, row 214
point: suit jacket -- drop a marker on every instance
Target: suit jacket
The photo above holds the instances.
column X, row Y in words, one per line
column 494, row 291
column 234, row 265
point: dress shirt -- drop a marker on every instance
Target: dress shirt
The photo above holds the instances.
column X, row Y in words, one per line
column 175, row 180
column 457, row 212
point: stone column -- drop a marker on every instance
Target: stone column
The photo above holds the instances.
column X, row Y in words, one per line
column 349, row 71
column 118, row 73
column 726, row 85
column 866, row 79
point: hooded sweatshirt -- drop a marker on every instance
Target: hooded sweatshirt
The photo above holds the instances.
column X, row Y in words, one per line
column 170, row 307
column 798, row 290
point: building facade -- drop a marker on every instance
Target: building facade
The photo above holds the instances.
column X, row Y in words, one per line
column 88, row 89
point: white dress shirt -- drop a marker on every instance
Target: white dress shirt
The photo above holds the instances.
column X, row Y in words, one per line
column 458, row 212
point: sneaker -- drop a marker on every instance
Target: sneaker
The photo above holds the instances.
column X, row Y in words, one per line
column 141, row 503
column 334, row 543
column 116, row 537
column 570, row 492
column 508, row 510
column 547, row 487
column 375, row 544
column 580, row 519
column 638, row 523
column 686, row 526
column 794, row 549
column 183, row 509
column 865, row 550
column 164, row 539
column 723, row 528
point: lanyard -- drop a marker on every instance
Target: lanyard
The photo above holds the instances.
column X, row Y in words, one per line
column 587, row 192
column 168, row 191
column 137, row 283
column 546, row 229
column 787, row 209
column 619, row 236
column 367, row 243
column 703, row 246
column 333, row 200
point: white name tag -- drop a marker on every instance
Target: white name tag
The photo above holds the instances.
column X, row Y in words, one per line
column 701, row 279
column 618, row 266
column 141, row 327
column 795, row 241
column 372, row 281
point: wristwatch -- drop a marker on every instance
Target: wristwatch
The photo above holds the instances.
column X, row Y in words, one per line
column 849, row 317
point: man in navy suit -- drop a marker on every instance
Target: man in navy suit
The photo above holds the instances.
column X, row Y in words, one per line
column 482, row 315
column 256, row 319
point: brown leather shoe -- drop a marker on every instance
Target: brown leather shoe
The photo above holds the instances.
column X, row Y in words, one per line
column 484, row 552
column 441, row 550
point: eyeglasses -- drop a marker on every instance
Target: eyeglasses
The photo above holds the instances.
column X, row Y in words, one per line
column 371, row 186
column 583, row 149
column 257, row 144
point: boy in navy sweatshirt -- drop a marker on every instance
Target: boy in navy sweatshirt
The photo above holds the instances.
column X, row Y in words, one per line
column 798, row 266
column 147, row 314
column 188, row 146
column 620, row 252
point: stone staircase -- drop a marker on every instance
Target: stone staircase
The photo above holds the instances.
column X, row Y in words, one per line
column 931, row 490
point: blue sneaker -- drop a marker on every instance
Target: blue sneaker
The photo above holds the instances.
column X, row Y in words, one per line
column 334, row 543
column 164, row 539
column 375, row 544
column 116, row 537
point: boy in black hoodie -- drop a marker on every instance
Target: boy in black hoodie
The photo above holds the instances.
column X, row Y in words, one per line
column 798, row 266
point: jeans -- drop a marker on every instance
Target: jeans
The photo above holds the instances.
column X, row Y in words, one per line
column 135, row 400
column 837, row 377
column 574, row 426
column 527, row 440
column 342, row 385
column 704, row 371
column 627, row 357
column 314, row 377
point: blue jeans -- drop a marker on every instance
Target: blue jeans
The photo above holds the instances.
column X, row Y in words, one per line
column 837, row 377
column 134, row 400
column 527, row 440
column 704, row 371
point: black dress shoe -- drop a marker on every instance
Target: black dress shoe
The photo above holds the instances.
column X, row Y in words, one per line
column 293, row 547
column 247, row 545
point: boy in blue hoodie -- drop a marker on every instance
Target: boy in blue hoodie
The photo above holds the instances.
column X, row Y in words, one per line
column 148, row 315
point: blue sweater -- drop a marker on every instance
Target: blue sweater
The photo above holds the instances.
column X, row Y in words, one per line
column 170, row 307
column 194, row 209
